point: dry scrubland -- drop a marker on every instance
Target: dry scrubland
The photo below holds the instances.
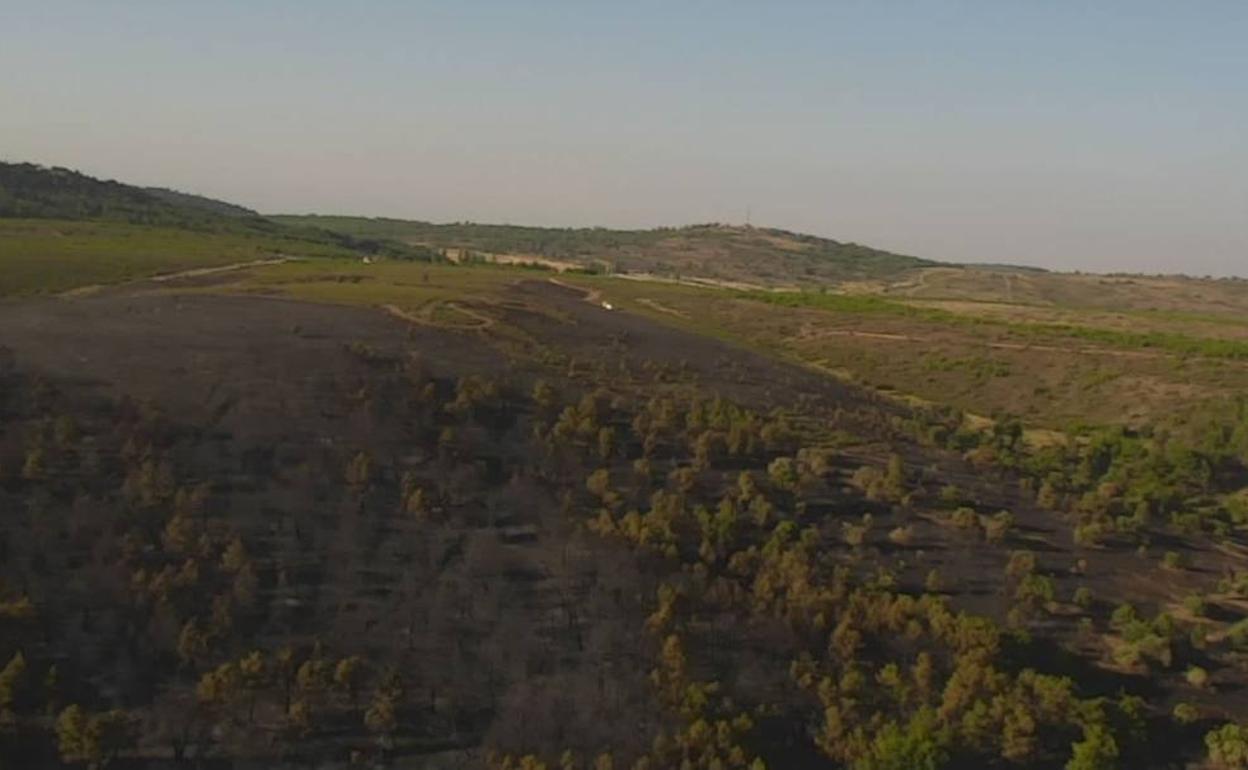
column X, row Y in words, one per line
column 427, row 515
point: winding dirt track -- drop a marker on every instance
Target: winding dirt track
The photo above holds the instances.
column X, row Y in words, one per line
column 198, row 272
column 425, row 316
column 662, row 308
column 592, row 296
column 201, row 271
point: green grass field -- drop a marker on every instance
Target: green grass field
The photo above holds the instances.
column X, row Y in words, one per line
column 46, row 256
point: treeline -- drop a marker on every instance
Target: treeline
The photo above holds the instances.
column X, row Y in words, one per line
column 38, row 192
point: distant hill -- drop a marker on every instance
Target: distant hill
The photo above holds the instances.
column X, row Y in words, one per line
column 30, row 191
column 189, row 201
column 39, row 192
column 778, row 259
column 734, row 256
column 709, row 252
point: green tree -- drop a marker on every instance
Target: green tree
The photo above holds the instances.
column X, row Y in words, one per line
column 313, row 675
column 544, row 395
column 598, row 483
column 916, row 746
column 221, row 687
column 254, row 676
column 192, row 643
column 12, row 680
column 783, row 473
column 1228, row 746
column 606, row 442
column 895, row 477
column 36, row 465
column 95, row 739
column 235, row 556
column 1097, row 751
column 74, row 738
column 380, row 718
column 359, row 473
column 348, row 676
column 299, row 719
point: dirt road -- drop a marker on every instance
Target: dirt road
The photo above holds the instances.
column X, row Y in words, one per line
column 198, row 272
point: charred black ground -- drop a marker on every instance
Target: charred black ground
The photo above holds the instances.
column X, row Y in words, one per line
column 245, row 529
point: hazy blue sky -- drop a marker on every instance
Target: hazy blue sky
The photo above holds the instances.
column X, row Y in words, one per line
column 1094, row 135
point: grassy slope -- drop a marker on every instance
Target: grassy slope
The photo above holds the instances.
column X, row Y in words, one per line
column 60, row 229
column 44, row 256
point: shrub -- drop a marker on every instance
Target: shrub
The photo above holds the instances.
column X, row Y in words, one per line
column 1097, row 751
column 1173, row 560
column 1197, row 677
column 951, row 495
column 1124, row 615
column 902, row 535
column 1195, row 605
column 598, row 483
column 1198, row 637
column 1185, row 713
column 1090, row 534
column 1238, row 634
column 783, row 473
column 965, row 518
column 1035, row 590
column 1021, row 564
column 1228, row 746
column 998, row 527
column 917, row 746
column 855, row 534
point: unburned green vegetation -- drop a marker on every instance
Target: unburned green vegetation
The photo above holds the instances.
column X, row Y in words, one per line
column 61, row 230
column 40, row 256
